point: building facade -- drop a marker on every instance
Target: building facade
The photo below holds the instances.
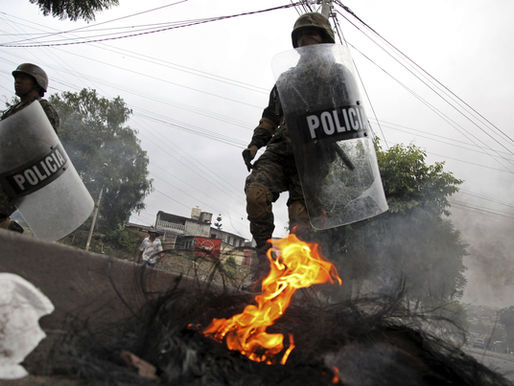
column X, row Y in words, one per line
column 190, row 232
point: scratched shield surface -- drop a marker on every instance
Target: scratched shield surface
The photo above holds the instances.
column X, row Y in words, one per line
column 40, row 179
column 332, row 143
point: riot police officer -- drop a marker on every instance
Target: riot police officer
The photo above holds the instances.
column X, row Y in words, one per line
column 275, row 171
column 30, row 84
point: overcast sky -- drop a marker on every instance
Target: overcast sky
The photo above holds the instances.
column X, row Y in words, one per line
column 198, row 92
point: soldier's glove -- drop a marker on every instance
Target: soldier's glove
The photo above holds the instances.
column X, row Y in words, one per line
column 249, row 155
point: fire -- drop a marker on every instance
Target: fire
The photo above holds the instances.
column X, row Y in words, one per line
column 294, row 264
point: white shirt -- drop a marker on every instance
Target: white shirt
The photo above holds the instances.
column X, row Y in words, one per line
column 151, row 250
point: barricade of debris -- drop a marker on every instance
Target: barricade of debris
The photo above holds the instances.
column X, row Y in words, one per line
column 116, row 323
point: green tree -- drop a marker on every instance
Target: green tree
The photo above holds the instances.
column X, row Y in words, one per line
column 105, row 152
column 413, row 244
column 74, row 9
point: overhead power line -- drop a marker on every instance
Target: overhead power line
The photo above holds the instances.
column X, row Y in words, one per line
column 438, row 138
column 105, row 22
column 343, row 40
column 292, row 3
column 161, row 62
column 486, row 198
column 184, row 24
column 437, row 111
column 460, row 204
column 439, row 84
column 151, row 76
column 476, row 164
column 198, row 131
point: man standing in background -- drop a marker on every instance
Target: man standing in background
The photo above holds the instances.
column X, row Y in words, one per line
column 150, row 249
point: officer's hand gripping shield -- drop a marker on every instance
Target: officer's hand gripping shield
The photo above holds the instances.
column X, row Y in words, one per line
column 38, row 176
column 334, row 152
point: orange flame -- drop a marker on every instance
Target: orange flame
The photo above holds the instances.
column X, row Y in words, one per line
column 296, row 265
column 335, row 378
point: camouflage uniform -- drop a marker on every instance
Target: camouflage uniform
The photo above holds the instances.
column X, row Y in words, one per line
column 275, row 170
column 50, row 112
column 6, row 205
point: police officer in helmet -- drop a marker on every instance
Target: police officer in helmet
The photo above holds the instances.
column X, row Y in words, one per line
column 275, row 171
column 30, row 84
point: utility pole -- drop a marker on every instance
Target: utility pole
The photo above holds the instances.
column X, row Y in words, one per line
column 95, row 213
column 97, row 205
column 326, row 8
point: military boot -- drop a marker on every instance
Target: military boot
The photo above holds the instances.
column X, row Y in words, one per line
column 260, row 269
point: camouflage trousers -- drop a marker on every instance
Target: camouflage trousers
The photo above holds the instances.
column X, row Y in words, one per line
column 273, row 173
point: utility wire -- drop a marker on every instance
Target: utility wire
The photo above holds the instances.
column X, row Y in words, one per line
column 446, row 157
column 164, row 63
column 486, row 198
column 201, row 169
column 433, row 90
column 175, row 187
column 207, row 174
column 202, row 21
column 296, row 8
column 438, row 138
column 211, row 137
column 304, row 4
column 228, row 141
column 108, row 21
column 461, row 204
column 171, row 198
column 427, row 74
column 429, row 105
column 343, row 40
column 143, row 74
column 197, row 131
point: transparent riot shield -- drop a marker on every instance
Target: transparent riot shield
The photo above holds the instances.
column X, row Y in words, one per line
column 334, row 152
column 38, row 176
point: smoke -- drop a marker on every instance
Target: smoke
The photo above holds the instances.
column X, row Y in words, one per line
column 490, row 263
column 418, row 251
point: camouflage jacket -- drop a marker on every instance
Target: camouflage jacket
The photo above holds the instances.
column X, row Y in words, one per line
column 272, row 117
column 316, row 81
column 50, row 112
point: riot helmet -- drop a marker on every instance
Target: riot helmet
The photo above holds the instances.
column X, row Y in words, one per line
column 34, row 71
column 313, row 20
